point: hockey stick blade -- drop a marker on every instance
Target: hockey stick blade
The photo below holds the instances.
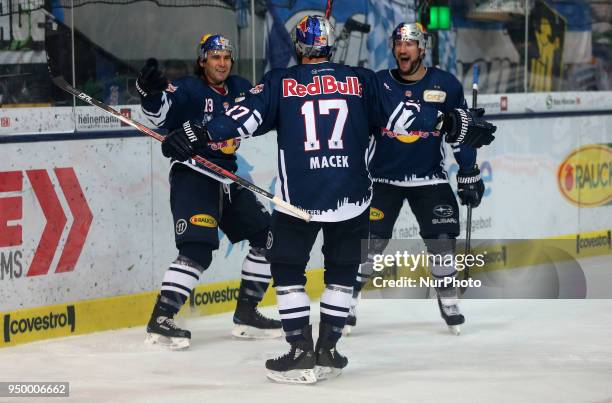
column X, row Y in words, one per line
column 63, row 84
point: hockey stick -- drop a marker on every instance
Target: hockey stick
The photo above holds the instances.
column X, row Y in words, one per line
column 468, row 223
column 328, row 9
column 61, row 83
column 468, row 226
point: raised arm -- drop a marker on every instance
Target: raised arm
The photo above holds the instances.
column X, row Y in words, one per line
column 253, row 116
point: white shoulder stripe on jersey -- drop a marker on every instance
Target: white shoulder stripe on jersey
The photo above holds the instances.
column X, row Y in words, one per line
column 257, row 116
column 251, row 124
column 159, row 118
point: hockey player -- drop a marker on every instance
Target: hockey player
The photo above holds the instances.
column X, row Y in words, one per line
column 412, row 168
column 200, row 204
column 323, row 113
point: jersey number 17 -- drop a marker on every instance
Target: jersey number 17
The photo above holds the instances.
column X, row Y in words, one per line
column 325, row 106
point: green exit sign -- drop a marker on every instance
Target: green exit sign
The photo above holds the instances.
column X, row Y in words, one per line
column 439, row 17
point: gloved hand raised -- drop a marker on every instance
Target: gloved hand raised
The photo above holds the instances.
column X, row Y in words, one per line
column 150, row 80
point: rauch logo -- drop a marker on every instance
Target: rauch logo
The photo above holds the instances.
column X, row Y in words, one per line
column 585, row 177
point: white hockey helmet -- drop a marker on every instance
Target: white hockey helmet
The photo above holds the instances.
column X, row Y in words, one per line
column 410, row 32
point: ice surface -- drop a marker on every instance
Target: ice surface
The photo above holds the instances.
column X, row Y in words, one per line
column 401, row 351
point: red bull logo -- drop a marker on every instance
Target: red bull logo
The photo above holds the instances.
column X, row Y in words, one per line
column 411, row 137
column 226, row 147
column 322, row 85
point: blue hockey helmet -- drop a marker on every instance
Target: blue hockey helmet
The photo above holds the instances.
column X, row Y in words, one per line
column 314, row 37
column 214, row 42
column 410, row 32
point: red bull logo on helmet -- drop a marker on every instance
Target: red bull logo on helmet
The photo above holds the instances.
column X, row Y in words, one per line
column 216, row 42
column 314, row 36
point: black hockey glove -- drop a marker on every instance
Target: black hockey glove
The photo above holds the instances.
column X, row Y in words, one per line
column 470, row 186
column 182, row 143
column 467, row 127
column 150, row 80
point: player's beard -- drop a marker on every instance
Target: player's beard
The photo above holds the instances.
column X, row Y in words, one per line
column 410, row 67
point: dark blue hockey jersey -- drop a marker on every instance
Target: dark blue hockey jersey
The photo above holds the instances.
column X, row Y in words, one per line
column 324, row 114
column 191, row 98
column 418, row 158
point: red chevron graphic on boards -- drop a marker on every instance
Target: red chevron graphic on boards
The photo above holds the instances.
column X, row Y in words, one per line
column 82, row 219
column 56, row 220
column 11, row 209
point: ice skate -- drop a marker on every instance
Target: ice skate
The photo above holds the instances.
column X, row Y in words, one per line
column 449, row 310
column 329, row 362
column 249, row 323
column 297, row 366
column 162, row 331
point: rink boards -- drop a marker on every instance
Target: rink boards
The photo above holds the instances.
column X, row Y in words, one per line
column 86, row 224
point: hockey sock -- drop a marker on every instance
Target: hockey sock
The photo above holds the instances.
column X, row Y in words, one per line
column 255, row 276
column 180, row 278
column 439, row 273
column 294, row 309
column 335, row 303
column 363, row 276
column 376, row 246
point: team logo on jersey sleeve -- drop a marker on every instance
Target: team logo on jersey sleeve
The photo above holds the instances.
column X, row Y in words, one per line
column 434, row 96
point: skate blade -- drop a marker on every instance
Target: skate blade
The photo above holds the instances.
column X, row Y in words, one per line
column 323, row 373
column 166, row 343
column 454, row 329
column 296, row 376
column 253, row 333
